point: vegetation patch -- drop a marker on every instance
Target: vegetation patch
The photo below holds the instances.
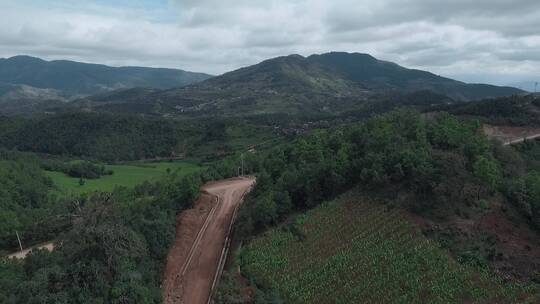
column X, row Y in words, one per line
column 123, row 175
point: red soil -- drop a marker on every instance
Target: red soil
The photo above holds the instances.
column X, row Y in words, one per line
column 194, row 260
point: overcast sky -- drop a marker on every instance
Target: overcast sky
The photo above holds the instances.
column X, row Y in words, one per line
column 495, row 41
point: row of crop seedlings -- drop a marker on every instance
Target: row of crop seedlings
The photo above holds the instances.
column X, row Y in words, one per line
column 359, row 251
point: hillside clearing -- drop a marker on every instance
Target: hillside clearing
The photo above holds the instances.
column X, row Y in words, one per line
column 508, row 135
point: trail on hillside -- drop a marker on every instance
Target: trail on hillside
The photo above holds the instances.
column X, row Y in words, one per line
column 194, row 261
column 22, row 254
column 508, row 135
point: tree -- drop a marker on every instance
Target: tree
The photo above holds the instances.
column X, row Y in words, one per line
column 488, row 171
column 265, row 211
column 533, row 196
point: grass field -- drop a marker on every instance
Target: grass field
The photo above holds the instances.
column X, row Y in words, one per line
column 124, row 175
column 355, row 251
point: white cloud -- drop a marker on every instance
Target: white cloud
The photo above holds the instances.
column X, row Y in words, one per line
column 480, row 39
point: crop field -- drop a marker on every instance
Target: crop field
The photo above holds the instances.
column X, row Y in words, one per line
column 124, row 175
column 355, row 251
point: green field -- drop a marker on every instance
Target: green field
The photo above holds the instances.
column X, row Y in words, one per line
column 124, row 175
column 356, row 251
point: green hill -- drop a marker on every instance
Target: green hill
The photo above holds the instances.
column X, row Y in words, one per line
column 476, row 201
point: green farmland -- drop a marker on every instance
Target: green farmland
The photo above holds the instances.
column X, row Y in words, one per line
column 356, row 251
column 124, row 175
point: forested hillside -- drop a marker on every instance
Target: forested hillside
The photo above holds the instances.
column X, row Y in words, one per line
column 451, row 180
column 24, row 202
column 109, row 137
column 105, row 137
column 513, row 110
column 111, row 248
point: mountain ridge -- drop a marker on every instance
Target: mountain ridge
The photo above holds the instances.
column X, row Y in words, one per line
column 329, row 83
column 89, row 78
column 332, row 82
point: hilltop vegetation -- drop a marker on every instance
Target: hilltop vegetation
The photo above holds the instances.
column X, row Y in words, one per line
column 452, row 181
column 398, row 149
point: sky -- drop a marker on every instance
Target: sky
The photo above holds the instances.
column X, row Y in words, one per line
column 492, row 41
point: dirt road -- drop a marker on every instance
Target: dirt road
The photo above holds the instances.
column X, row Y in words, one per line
column 511, row 135
column 520, row 140
column 194, row 260
column 24, row 253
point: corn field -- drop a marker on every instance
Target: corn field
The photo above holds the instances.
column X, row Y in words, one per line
column 356, row 251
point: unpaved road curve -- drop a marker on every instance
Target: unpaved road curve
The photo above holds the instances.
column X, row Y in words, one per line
column 201, row 232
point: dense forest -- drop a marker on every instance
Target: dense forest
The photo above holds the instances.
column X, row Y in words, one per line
column 513, row 110
column 112, row 138
column 98, row 136
column 25, row 203
column 399, row 150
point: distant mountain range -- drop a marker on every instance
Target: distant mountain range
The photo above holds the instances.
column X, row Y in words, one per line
column 529, row 86
column 328, row 83
column 82, row 78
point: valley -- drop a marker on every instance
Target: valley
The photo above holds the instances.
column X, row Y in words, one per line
column 269, row 152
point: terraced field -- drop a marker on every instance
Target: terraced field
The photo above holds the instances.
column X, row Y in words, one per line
column 353, row 250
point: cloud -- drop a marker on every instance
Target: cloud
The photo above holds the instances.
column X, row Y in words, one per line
column 481, row 39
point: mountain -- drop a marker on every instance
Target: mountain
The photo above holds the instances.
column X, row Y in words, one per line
column 327, row 84
column 296, row 85
column 376, row 74
column 82, row 78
